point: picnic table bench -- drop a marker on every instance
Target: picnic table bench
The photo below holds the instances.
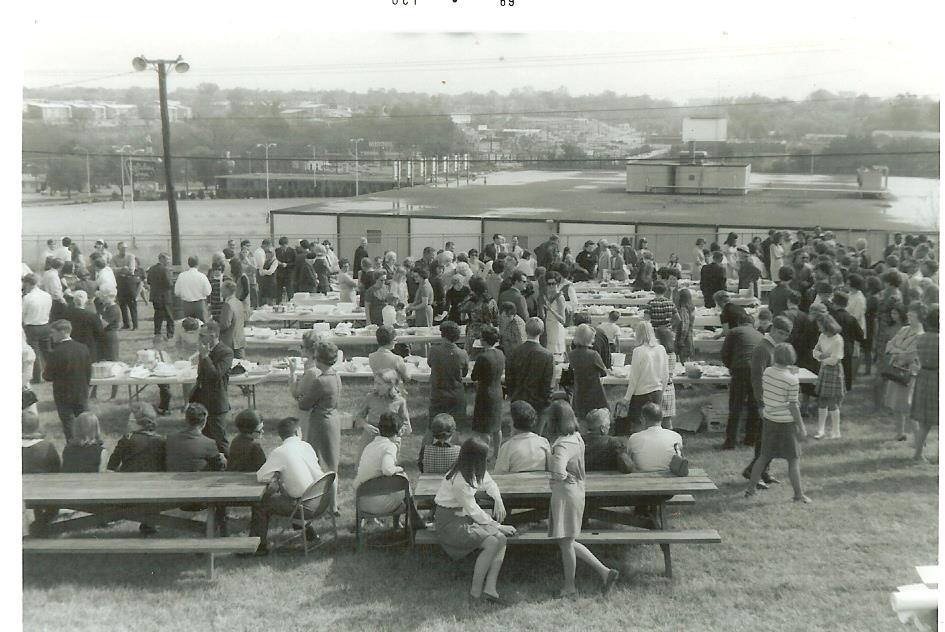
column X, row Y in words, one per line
column 140, row 497
column 527, row 495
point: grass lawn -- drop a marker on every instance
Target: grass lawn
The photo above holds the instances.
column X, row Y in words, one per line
column 781, row 566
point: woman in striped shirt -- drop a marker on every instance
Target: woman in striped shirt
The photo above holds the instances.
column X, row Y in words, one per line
column 783, row 426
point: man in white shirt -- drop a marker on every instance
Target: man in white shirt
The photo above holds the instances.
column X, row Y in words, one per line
column 193, row 288
column 524, row 451
column 104, row 276
column 50, row 250
column 290, row 470
column 36, row 307
column 62, row 252
column 652, row 449
column 259, row 255
column 331, row 257
column 51, row 283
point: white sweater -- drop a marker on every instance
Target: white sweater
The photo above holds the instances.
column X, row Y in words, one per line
column 649, row 370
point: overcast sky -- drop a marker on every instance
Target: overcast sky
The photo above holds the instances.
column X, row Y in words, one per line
column 234, row 47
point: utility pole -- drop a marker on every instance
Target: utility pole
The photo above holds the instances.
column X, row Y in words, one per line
column 357, row 176
column 266, row 146
column 141, row 63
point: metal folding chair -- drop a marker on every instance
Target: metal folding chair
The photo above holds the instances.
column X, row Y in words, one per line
column 322, row 490
column 381, row 486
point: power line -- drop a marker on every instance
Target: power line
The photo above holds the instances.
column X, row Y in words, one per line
column 495, row 160
column 72, row 83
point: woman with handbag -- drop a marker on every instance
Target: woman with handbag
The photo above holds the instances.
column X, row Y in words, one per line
column 925, row 396
column 902, row 366
column 649, row 373
column 890, row 317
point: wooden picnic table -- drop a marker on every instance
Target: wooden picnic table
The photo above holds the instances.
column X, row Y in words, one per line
column 140, row 497
column 606, row 493
column 304, row 316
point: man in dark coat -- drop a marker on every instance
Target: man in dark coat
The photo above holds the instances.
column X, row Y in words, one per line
column 737, row 350
column 360, row 254
column 69, row 368
column 529, row 371
column 285, row 273
column 850, row 330
column 86, row 326
column 213, row 377
column 513, row 294
column 162, row 288
column 713, row 278
column 547, row 253
column 448, row 366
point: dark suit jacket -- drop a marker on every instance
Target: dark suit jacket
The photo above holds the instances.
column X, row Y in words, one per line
column 488, row 252
column 359, row 254
column 69, row 368
column 190, row 451
column 602, row 347
column 307, row 281
column 159, row 278
column 87, row 329
column 850, row 330
column 528, row 374
column 712, row 280
column 213, row 377
column 512, row 295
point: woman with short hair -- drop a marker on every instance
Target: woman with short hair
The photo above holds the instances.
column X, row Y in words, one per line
column 555, row 314
column 317, row 389
column 463, row 527
column 588, row 368
column 783, row 427
column 480, row 309
column 487, row 374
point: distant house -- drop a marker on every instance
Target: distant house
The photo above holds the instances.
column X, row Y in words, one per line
column 54, row 113
column 33, row 184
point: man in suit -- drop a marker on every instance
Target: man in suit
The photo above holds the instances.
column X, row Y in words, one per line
column 850, row 330
column 86, row 326
column 285, row 273
column 69, row 368
column 162, row 288
column 529, row 371
column 547, row 253
column 712, row 278
column 491, row 251
column 125, row 266
column 213, row 377
column 231, row 319
column 360, row 253
column 513, row 294
column 740, row 343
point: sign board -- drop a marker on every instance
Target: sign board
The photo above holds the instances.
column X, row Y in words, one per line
column 696, row 129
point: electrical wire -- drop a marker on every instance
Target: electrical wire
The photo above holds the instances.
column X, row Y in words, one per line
column 72, row 83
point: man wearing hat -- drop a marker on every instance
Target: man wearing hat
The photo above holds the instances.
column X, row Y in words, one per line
column 748, row 273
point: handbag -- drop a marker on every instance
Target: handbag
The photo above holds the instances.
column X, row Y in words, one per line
column 897, row 374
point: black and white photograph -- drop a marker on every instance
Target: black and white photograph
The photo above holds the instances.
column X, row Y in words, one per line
column 453, row 315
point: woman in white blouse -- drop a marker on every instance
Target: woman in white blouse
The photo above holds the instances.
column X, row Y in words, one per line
column 649, row 374
column 776, row 256
column 463, row 527
column 698, row 258
column 830, row 383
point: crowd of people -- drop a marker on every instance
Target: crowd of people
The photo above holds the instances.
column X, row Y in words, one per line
column 833, row 312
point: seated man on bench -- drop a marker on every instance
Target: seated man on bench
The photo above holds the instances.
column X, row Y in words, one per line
column 654, row 449
column 603, row 453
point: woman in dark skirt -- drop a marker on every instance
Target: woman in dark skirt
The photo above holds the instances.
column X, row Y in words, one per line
column 487, row 374
column 783, row 426
column 925, row 396
column 111, row 321
column 463, row 527
column 587, row 367
column 318, row 390
column 449, row 364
